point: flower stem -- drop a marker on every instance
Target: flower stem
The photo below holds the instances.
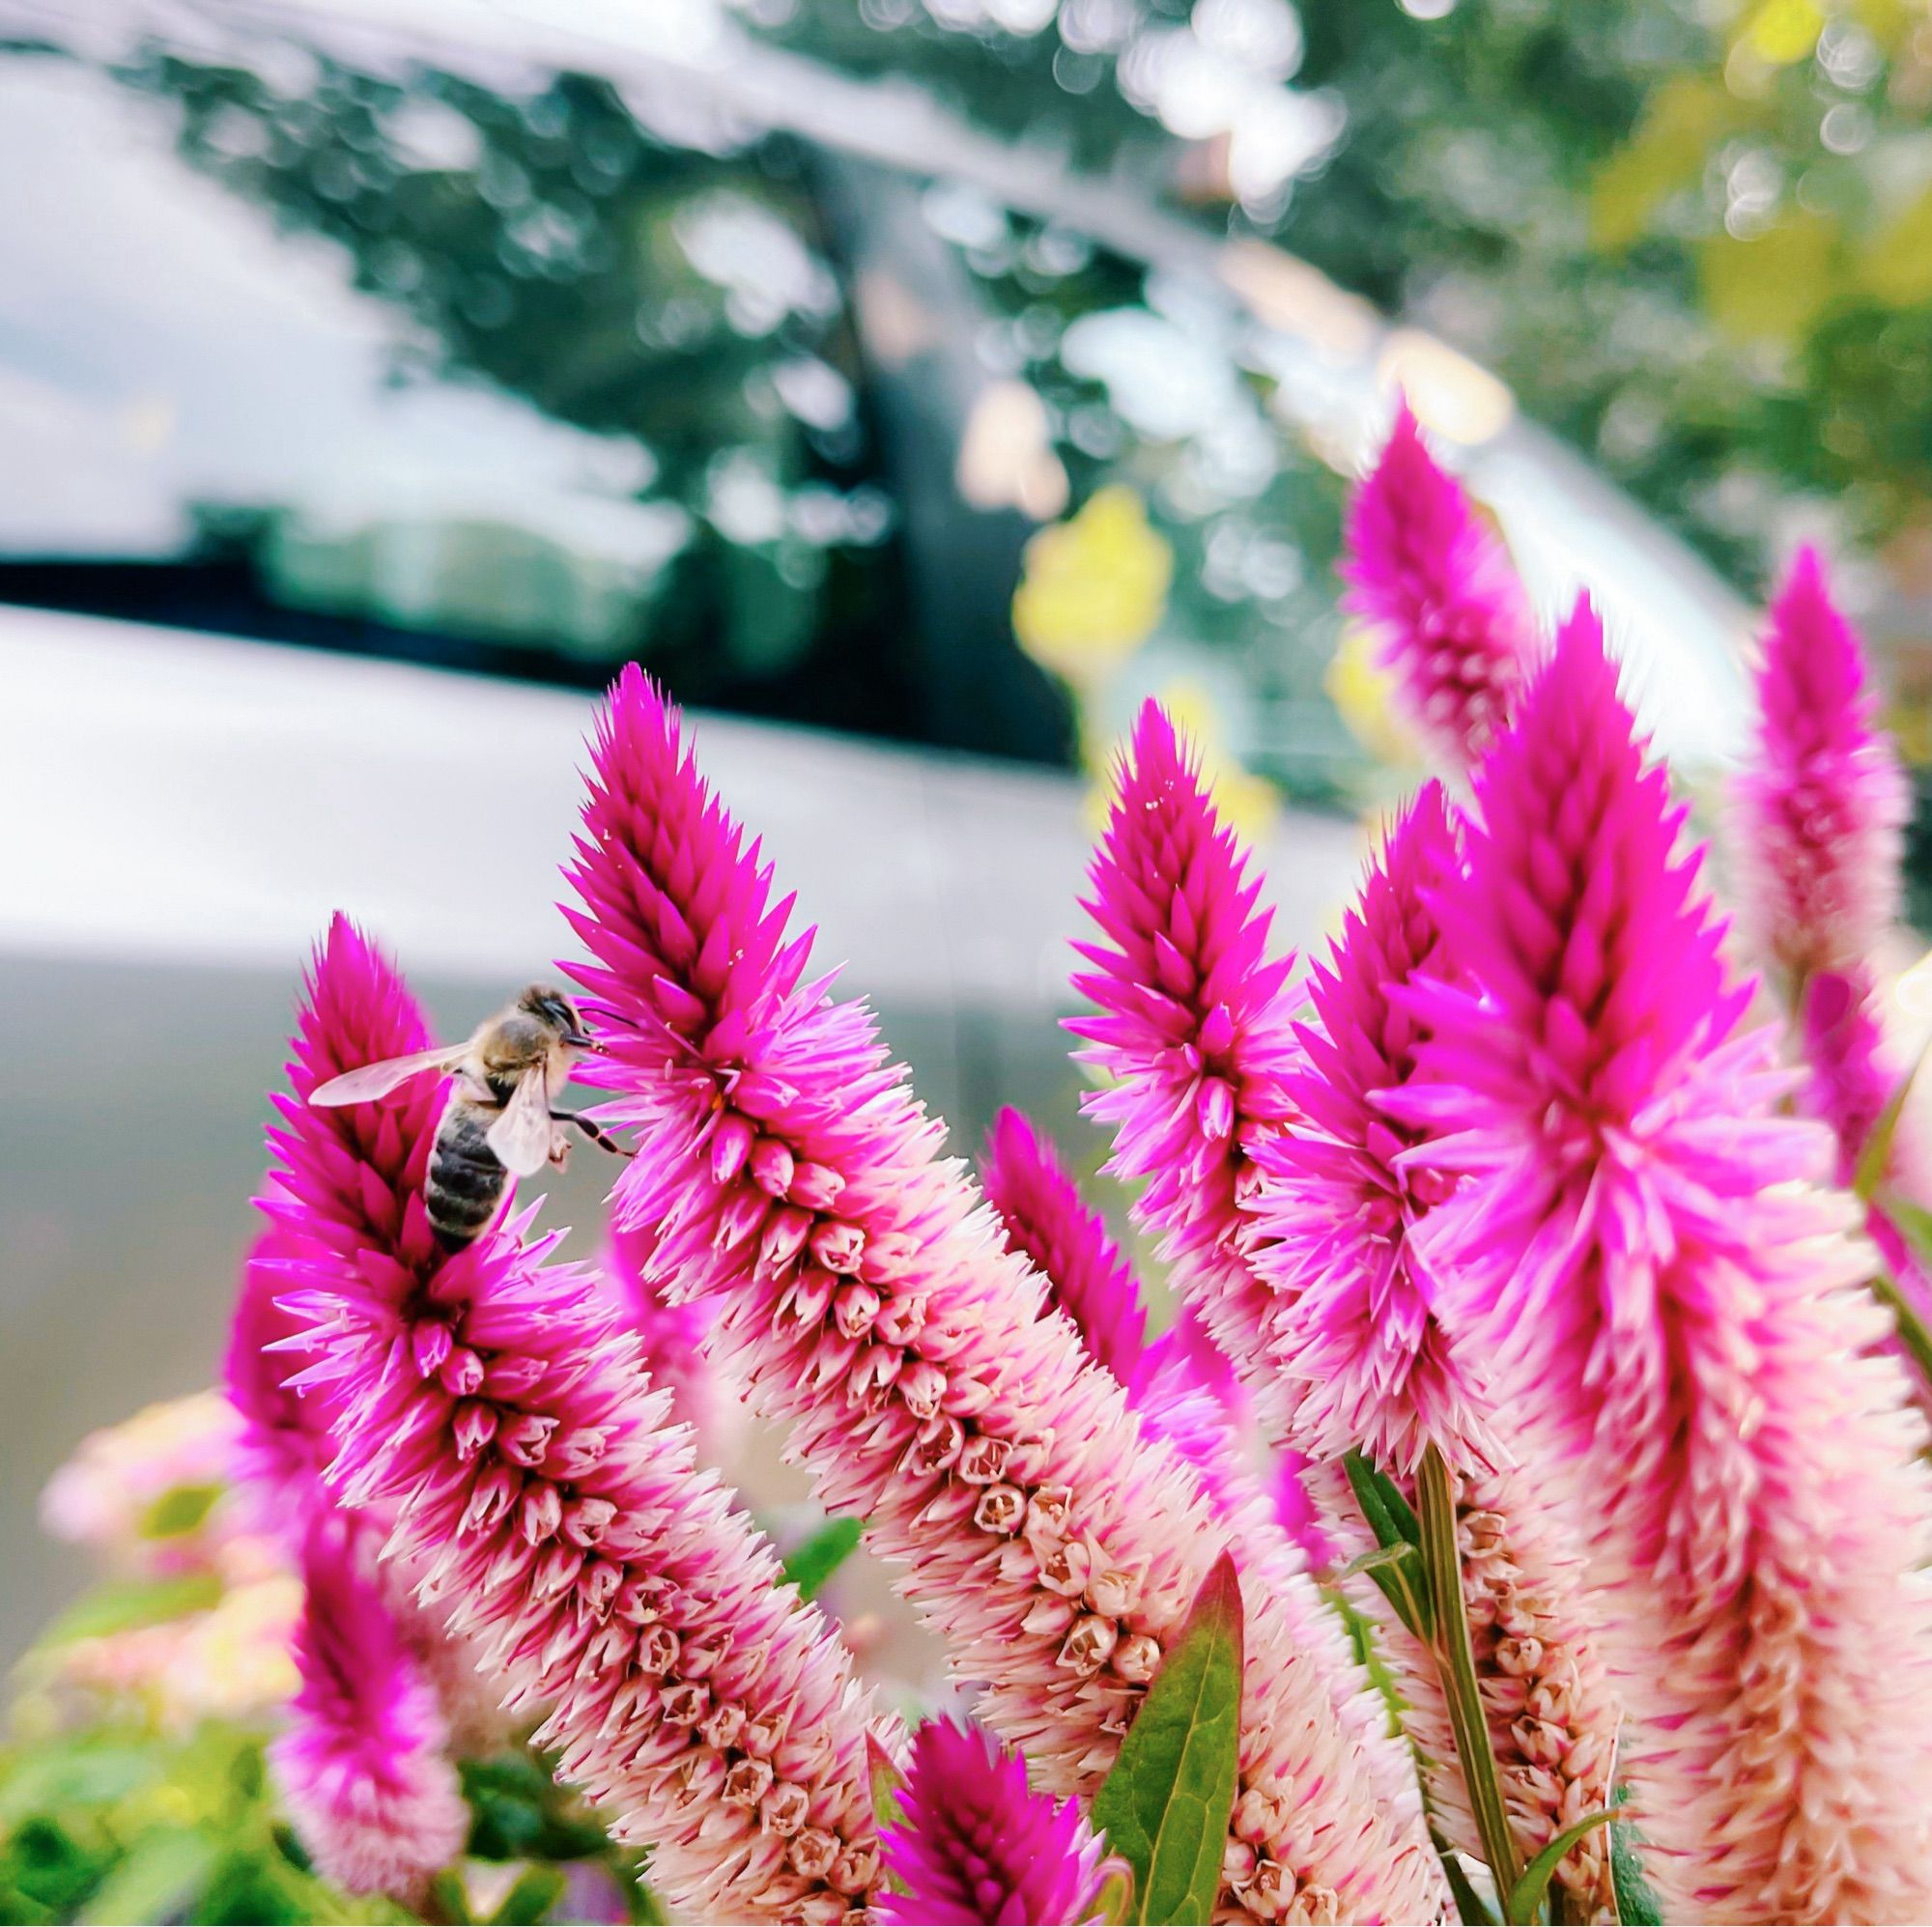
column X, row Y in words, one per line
column 1436, row 1509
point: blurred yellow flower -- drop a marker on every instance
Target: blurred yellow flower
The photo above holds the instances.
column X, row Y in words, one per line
column 1093, row 587
column 234, row 1662
column 1781, row 32
column 1363, row 694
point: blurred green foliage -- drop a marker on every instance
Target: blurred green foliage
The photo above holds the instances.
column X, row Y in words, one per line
column 116, row 1808
column 1696, row 239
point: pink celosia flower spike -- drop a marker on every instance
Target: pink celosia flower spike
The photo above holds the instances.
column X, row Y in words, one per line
column 496, row 1404
column 1375, row 1368
column 1849, row 1079
column 1821, row 809
column 975, row 1845
column 362, row 1766
column 1047, row 1221
column 1089, row 1276
column 1196, row 1026
column 284, row 1442
column 1437, row 586
column 1679, row 1317
column 868, row 1302
column 1362, row 1334
column 280, row 1458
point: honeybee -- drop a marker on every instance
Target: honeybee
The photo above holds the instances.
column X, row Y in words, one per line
column 502, row 1116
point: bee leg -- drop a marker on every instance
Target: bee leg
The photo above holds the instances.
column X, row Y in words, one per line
column 594, row 1132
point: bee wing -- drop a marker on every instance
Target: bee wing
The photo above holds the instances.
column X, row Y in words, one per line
column 369, row 1081
column 522, row 1137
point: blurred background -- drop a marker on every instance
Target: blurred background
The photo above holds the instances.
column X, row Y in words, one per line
column 914, row 385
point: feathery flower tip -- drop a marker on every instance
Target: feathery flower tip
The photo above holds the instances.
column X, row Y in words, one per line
column 1579, row 918
column 1821, row 809
column 975, row 1845
column 1195, row 1025
column 1437, row 586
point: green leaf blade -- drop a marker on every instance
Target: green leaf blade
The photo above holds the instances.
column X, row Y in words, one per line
column 1166, row 1804
column 811, row 1565
column 1527, row 1897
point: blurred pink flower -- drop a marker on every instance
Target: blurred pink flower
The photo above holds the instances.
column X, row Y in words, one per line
column 1676, row 1310
column 975, row 1845
column 868, row 1302
column 498, row 1405
column 111, row 1492
column 1437, row 585
column 1821, row 809
column 362, row 1765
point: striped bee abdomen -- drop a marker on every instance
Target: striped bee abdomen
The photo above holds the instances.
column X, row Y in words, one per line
column 464, row 1182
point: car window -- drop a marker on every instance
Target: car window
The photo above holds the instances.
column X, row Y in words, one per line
column 394, row 361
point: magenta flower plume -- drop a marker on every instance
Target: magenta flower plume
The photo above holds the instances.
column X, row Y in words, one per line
column 1821, row 809
column 867, row 1301
column 1196, row 1025
column 1376, row 1368
column 284, row 1442
column 1679, row 1313
column 975, row 1845
column 495, row 1405
column 1179, row 1399
column 1849, row 1082
column 363, row 1766
column 1044, row 1217
column 1435, row 584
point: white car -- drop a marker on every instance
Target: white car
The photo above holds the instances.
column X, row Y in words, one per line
column 234, row 478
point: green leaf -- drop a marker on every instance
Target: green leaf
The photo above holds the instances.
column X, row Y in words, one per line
column 128, row 1603
column 92, row 1772
column 180, row 1511
column 536, row 1891
column 518, row 1812
column 157, row 1881
column 1166, row 1804
column 1456, row 1660
column 1389, row 1515
column 449, row 1898
column 886, row 1780
column 815, row 1562
column 1469, row 1905
column 1116, row 1897
column 1915, row 1226
column 1396, row 1565
column 1876, row 1155
column 1527, row 1896
column 1636, row 1905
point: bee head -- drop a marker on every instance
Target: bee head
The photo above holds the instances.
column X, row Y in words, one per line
column 552, row 1008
